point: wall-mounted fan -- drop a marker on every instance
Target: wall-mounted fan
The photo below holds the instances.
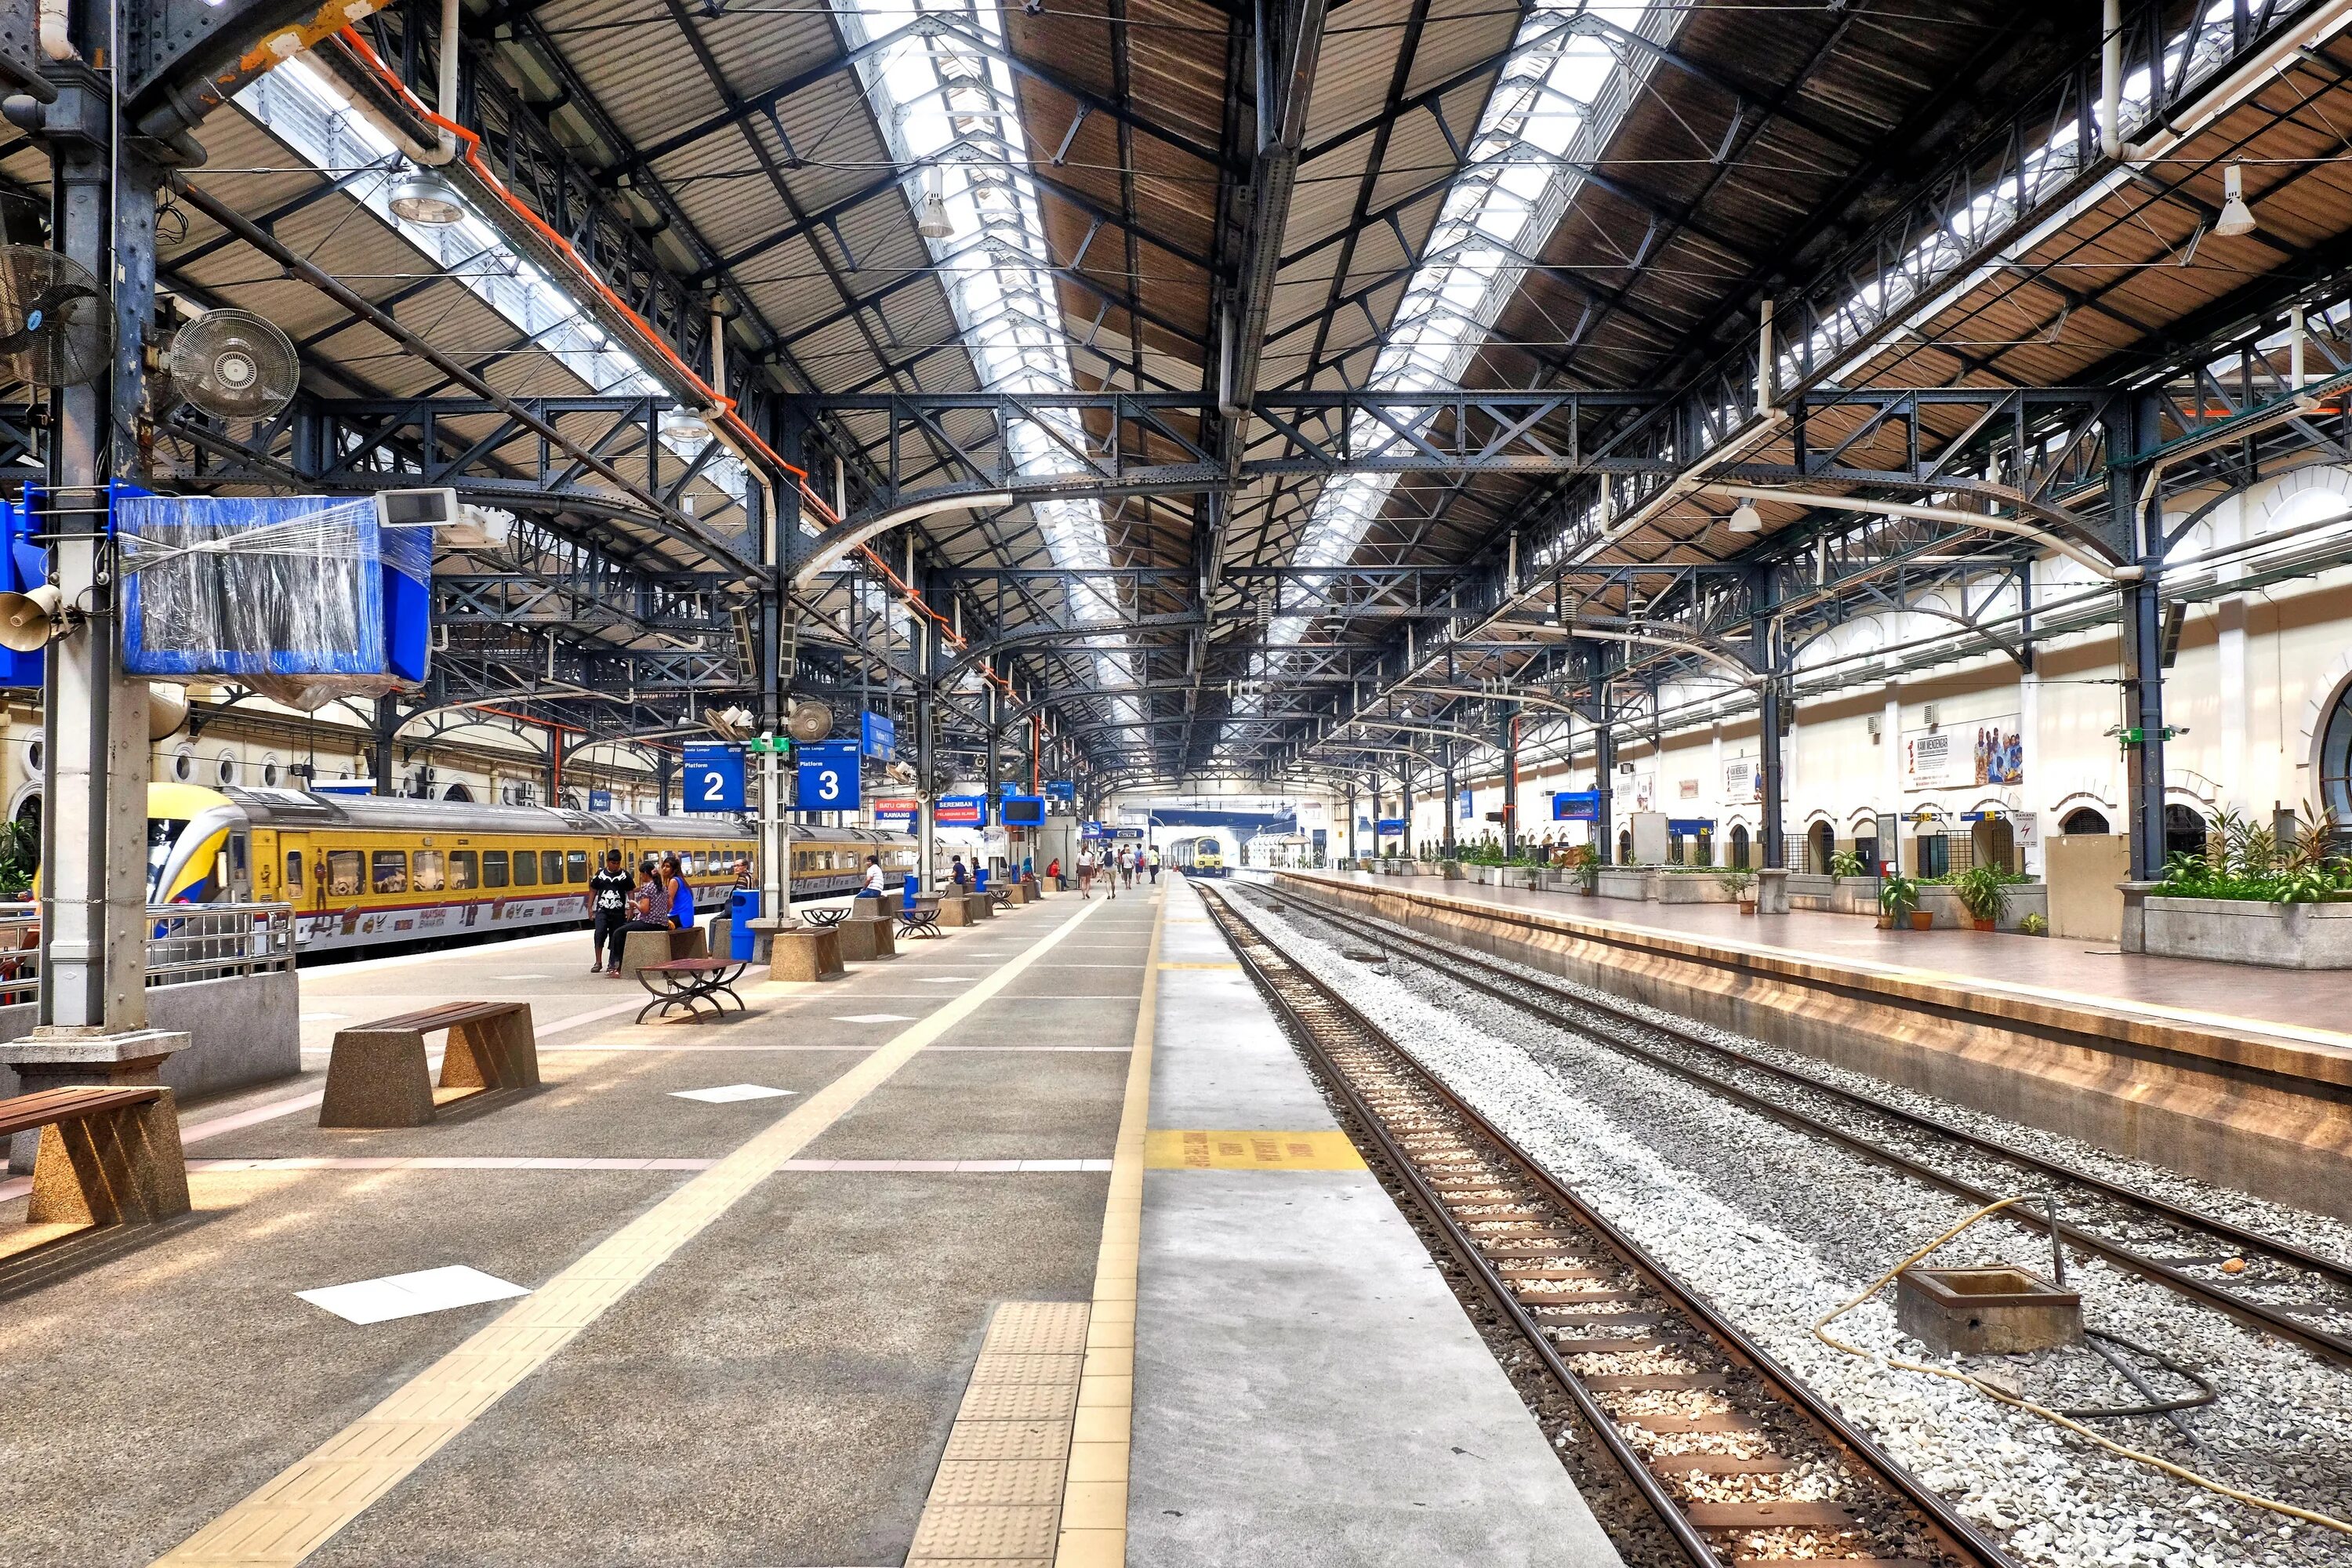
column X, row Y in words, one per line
column 57, row 325
column 234, row 364
column 810, row 721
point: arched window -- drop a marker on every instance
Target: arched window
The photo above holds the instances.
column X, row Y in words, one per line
column 457, row 792
column 1740, row 847
column 2335, row 758
column 1821, row 843
column 2184, row 831
column 2083, row 819
column 1624, row 846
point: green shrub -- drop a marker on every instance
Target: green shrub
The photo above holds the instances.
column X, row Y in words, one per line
column 2034, row 925
column 1983, row 891
column 1898, row 895
column 1846, row 863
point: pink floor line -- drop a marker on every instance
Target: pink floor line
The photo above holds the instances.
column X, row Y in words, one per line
column 556, row 1162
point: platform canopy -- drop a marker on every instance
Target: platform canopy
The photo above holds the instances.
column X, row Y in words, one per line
column 1168, row 391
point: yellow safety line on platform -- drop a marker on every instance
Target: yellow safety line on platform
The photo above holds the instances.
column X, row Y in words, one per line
column 1232, row 966
column 1093, row 1499
column 1171, row 1148
column 301, row 1509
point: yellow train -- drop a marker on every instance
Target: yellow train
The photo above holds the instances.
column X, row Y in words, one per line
column 370, row 871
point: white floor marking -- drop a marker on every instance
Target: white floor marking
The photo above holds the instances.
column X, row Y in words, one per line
column 944, row 980
column 529, row 977
column 727, row 1093
column 410, row 1295
column 873, row 1018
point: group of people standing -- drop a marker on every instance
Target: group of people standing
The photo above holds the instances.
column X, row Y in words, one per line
column 1119, row 867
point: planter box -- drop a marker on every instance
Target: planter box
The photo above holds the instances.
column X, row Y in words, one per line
column 1812, row 890
column 1942, row 903
column 2239, row 930
column 1694, row 888
column 1625, row 882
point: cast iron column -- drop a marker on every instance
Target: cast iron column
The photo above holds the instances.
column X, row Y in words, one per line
column 2130, row 433
column 1510, row 780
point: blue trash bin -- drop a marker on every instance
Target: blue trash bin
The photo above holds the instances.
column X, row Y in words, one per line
column 979, row 878
column 743, row 908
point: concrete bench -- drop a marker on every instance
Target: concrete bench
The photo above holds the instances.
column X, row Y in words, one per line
column 864, row 940
column 639, row 948
column 108, row 1156
column 805, row 953
column 376, row 1074
column 981, row 906
column 953, row 910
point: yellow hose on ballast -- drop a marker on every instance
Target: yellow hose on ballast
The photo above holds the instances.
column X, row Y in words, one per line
column 2000, row 1395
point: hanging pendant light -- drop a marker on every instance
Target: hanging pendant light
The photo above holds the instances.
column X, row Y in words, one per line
column 931, row 220
column 2236, row 217
column 425, row 197
column 1746, row 518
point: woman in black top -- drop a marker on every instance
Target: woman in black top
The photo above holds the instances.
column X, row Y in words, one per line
column 608, row 899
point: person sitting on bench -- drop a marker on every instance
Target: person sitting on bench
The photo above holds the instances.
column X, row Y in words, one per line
column 647, row 910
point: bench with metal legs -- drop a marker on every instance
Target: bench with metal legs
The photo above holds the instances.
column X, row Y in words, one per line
column 688, row 982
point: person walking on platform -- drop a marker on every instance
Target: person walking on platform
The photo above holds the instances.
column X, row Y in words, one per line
column 1155, row 866
column 1085, row 873
column 608, row 895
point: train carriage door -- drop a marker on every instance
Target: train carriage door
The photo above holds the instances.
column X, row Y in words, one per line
column 301, row 882
column 239, row 883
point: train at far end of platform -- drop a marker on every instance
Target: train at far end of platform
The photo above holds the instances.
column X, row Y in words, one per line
column 368, row 871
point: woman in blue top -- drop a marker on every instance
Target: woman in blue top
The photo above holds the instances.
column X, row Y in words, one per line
column 681, row 893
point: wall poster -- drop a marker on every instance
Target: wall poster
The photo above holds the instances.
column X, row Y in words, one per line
column 1980, row 752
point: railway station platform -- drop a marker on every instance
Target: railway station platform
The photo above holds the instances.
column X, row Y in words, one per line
column 1033, row 1245
column 2230, row 1072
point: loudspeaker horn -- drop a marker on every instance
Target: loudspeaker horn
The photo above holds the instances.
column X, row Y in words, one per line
column 29, row 620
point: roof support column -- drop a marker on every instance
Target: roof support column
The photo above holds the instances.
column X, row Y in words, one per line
column 927, row 659
column 2131, row 431
column 381, row 762
column 1453, row 801
column 1604, row 753
column 1510, row 742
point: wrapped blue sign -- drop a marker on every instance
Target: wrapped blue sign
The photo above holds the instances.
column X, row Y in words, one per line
column 1392, row 827
column 24, row 566
column 879, row 734
column 1061, row 789
column 1576, row 806
column 306, row 598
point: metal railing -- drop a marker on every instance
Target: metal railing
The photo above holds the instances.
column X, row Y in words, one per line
column 185, row 942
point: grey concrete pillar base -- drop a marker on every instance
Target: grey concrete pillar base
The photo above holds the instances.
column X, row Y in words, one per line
column 763, row 933
column 1772, row 890
column 806, row 953
column 59, row 1056
column 2134, row 936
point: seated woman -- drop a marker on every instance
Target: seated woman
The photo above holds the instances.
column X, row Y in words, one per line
column 649, row 909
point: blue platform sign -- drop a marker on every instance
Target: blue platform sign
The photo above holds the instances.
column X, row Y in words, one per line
column 879, row 734
column 600, row 800
column 1576, row 806
column 961, row 811
column 1690, row 826
column 1392, row 827
column 714, row 778
column 1061, row 789
column 829, row 776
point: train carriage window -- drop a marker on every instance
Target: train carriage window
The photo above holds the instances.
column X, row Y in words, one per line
column 388, row 870
column 526, row 868
column 494, row 867
column 465, row 870
column 293, row 871
column 430, row 874
column 575, row 865
column 550, row 866
column 345, row 868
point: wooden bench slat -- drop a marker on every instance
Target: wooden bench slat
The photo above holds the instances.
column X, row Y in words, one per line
column 688, row 966
column 27, row 1112
column 447, row 1014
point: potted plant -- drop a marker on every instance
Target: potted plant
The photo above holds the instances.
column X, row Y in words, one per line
column 1898, row 900
column 1983, row 891
column 1846, row 863
column 1740, row 884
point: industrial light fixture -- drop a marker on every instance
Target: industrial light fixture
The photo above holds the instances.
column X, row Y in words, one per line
column 2236, row 217
column 423, row 196
column 1746, row 518
column 931, row 211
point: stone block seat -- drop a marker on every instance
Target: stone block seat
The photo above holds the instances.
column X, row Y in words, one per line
column 376, row 1074
column 109, row 1156
column 639, row 948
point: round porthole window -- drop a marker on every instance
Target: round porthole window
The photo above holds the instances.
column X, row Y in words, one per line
column 227, row 773
column 35, row 755
column 269, row 774
column 184, row 767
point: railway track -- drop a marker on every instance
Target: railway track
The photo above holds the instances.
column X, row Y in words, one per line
column 1727, row 1448
column 2282, row 1289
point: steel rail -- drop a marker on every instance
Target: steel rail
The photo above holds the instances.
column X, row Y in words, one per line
column 2335, row 1347
column 1958, row 1538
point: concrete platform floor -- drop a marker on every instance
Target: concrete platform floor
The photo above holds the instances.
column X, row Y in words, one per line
column 751, row 1324
column 2295, row 1003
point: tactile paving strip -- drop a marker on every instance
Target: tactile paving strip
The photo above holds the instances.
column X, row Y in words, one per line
column 997, row 1498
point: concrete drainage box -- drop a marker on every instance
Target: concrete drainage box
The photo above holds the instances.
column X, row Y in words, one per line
column 1985, row 1311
